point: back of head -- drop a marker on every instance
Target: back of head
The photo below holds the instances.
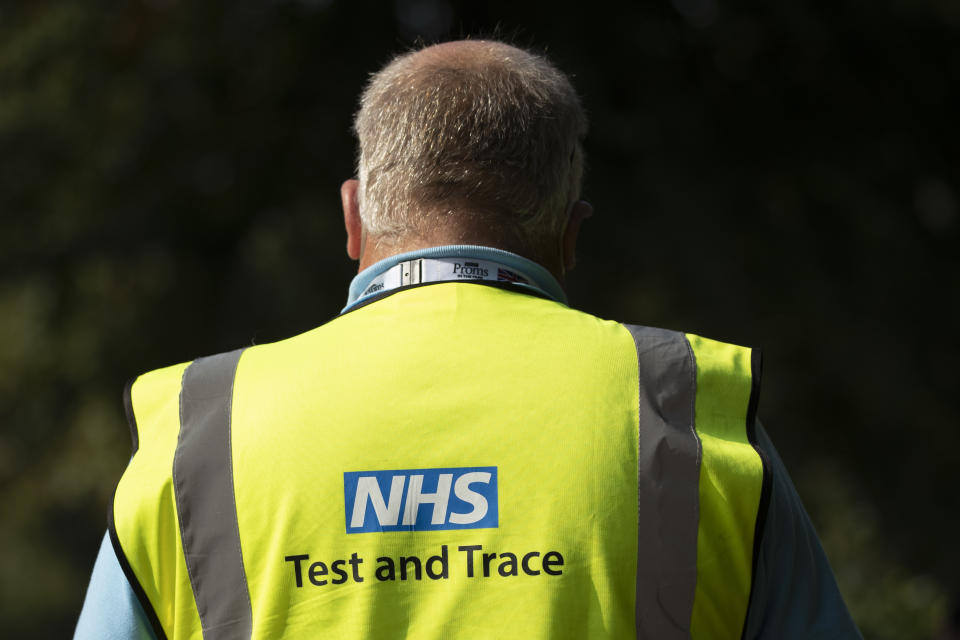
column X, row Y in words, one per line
column 469, row 135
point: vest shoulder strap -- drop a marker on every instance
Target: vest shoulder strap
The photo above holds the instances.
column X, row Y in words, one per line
column 206, row 502
column 180, row 418
column 702, row 484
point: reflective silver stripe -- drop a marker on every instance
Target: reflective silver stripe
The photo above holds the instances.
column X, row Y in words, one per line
column 206, row 506
column 668, row 474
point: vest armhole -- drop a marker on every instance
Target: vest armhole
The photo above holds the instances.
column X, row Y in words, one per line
column 756, row 369
column 131, row 577
column 131, row 416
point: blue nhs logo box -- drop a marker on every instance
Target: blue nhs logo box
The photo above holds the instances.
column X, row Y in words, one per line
column 421, row 499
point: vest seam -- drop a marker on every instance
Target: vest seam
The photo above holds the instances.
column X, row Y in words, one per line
column 177, row 491
column 131, row 416
column 233, row 486
column 699, row 464
column 756, row 369
column 636, row 608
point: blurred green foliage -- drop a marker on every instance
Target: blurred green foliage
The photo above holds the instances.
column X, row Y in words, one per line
column 887, row 598
column 782, row 175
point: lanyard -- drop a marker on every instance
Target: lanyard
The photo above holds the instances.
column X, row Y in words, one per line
column 420, row 270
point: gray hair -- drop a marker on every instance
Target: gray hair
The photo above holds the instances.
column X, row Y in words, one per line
column 488, row 131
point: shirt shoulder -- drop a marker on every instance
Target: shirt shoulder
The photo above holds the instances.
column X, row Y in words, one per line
column 795, row 594
column 111, row 611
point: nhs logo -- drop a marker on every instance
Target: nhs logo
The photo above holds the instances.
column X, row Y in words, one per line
column 421, row 499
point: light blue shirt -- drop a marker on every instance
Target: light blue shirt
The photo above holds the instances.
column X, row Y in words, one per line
column 111, row 610
column 795, row 595
column 542, row 280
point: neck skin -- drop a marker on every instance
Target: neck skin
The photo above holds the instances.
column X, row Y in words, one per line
column 557, row 257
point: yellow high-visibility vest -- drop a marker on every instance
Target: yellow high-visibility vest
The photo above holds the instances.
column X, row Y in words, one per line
column 454, row 460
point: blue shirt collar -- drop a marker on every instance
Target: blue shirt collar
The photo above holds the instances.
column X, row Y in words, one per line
column 542, row 280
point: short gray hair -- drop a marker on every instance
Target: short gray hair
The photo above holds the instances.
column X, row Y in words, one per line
column 494, row 133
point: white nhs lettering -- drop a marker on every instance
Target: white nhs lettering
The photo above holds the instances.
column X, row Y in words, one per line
column 415, row 498
column 367, row 488
column 468, row 506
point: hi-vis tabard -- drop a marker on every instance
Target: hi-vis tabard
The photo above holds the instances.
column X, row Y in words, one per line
column 452, row 460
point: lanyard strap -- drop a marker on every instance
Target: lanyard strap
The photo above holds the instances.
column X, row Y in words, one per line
column 421, row 270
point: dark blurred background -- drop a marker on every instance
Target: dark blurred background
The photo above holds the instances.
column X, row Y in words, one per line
column 779, row 174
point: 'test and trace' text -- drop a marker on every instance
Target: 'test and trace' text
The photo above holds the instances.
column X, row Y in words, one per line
column 470, row 561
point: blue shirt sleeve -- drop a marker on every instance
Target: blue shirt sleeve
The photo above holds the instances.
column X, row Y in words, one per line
column 795, row 595
column 111, row 610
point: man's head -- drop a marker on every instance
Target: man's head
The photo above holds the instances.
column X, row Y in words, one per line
column 468, row 142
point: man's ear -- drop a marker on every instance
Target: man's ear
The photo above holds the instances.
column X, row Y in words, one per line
column 351, row 217
column 579, row 211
